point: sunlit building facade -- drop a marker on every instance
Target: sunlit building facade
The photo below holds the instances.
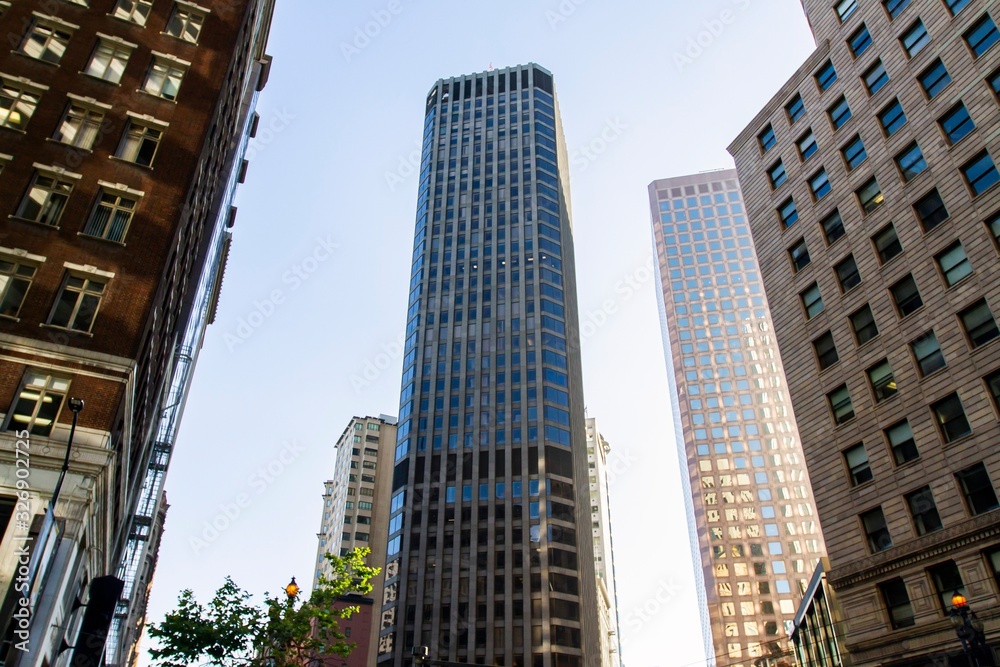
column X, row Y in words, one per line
column 756, row 537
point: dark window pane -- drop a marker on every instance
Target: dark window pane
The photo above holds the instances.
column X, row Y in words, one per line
column 978, row 489
column 863, row 323
column 906, row 296
column 924, row 511
column 950, row 416
column 887, row 244
column 930, row 210
column 826, row 351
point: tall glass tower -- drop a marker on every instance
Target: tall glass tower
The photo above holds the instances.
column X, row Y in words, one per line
column 486, row 562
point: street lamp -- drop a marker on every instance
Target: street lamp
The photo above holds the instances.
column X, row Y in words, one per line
column 76, row 407
column 292, row 590
column 970, row 631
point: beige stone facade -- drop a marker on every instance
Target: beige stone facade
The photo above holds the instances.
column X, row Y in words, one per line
column 879, row 255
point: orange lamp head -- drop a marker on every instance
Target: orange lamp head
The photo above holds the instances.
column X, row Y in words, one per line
column 292, row 589
column 958, row 601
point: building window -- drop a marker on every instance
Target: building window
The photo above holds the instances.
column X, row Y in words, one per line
column 136, row 11
column 930, row 210
column 800, row 255
column 833, row 227
column 910, row 162
column 185, row 24
column 767, row 139
column 845, row 8
column 45, row 200
column 887, row 244
column 863, row 323
column 977, row 488
column 900, row 438
column 795, row 109
column 777, row 174
column 788, row 213
column 108, row 61
column 847, row 274
column 979, row 324
column 839, row 113
column 950, row 417
column 826, row 76
column 819, row 183
column 927, row 352
column 80, row 127
column 826, row 351
column 807, row 145
column 956, row 124
column 46, row 41
column 15, row 280
column 947, row 581
column 859, row 41
column 982, row 35
column 875, row 77
column 854, row 153
column 111, row 216
column 38, row 403
column 980, row 173
column 77, row 303
column 876, row 530
column 993, row 384
column 897, row 602
column 139, row 144
column 993, row 224
column 954, row 264
column 934, row 79
column 841, row 405
column 857, row 464
column 915, row 38
column 870, row 196
column 892, row 118
column 924, row 511
column 882, row 381
column 895, row 7
column 812, row 300
column 164, row 78
column 955, row 6
column 16, row 105
column 906, row 296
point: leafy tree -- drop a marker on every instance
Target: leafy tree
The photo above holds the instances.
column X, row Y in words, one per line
column 231, row 631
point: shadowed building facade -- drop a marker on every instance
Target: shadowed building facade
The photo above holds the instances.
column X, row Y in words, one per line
column 870, row 185
column 754, row 535
column 490, row 553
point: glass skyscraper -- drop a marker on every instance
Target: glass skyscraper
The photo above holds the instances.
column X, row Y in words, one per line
column 490, row 551
column 755, row 539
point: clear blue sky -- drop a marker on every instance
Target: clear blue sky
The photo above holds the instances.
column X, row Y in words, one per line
column 323, row 240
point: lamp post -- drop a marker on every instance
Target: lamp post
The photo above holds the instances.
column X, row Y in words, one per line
column 76, row 407
column 969, row 629
column 292, row 591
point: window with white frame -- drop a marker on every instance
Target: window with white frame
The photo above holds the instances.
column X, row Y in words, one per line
column 80, row 126
column 139, row 144
column 37, row 405
column 78, row 302
column 109, row 60
column 164, row 77
column 17, row 103
column 47, row 39
column 136, row 11
column 45, row 199
column 112, row 214
column 186, row 22
column 15, row 281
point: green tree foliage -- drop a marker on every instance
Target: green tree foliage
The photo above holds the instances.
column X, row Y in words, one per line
column 231, row 631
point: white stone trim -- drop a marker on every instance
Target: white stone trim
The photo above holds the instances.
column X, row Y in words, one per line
column 87, row 269
column 56, row 169
column 21, row 254
column 120, row 187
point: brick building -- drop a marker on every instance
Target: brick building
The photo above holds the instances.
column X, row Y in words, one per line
column 870, row 186
column 122, row 130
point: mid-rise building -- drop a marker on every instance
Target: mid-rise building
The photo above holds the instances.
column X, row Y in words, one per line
column 356, row 514
column 755, row 537
column 123, row 125
column 870, row 183
column 598, row 450
column 490, row 557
